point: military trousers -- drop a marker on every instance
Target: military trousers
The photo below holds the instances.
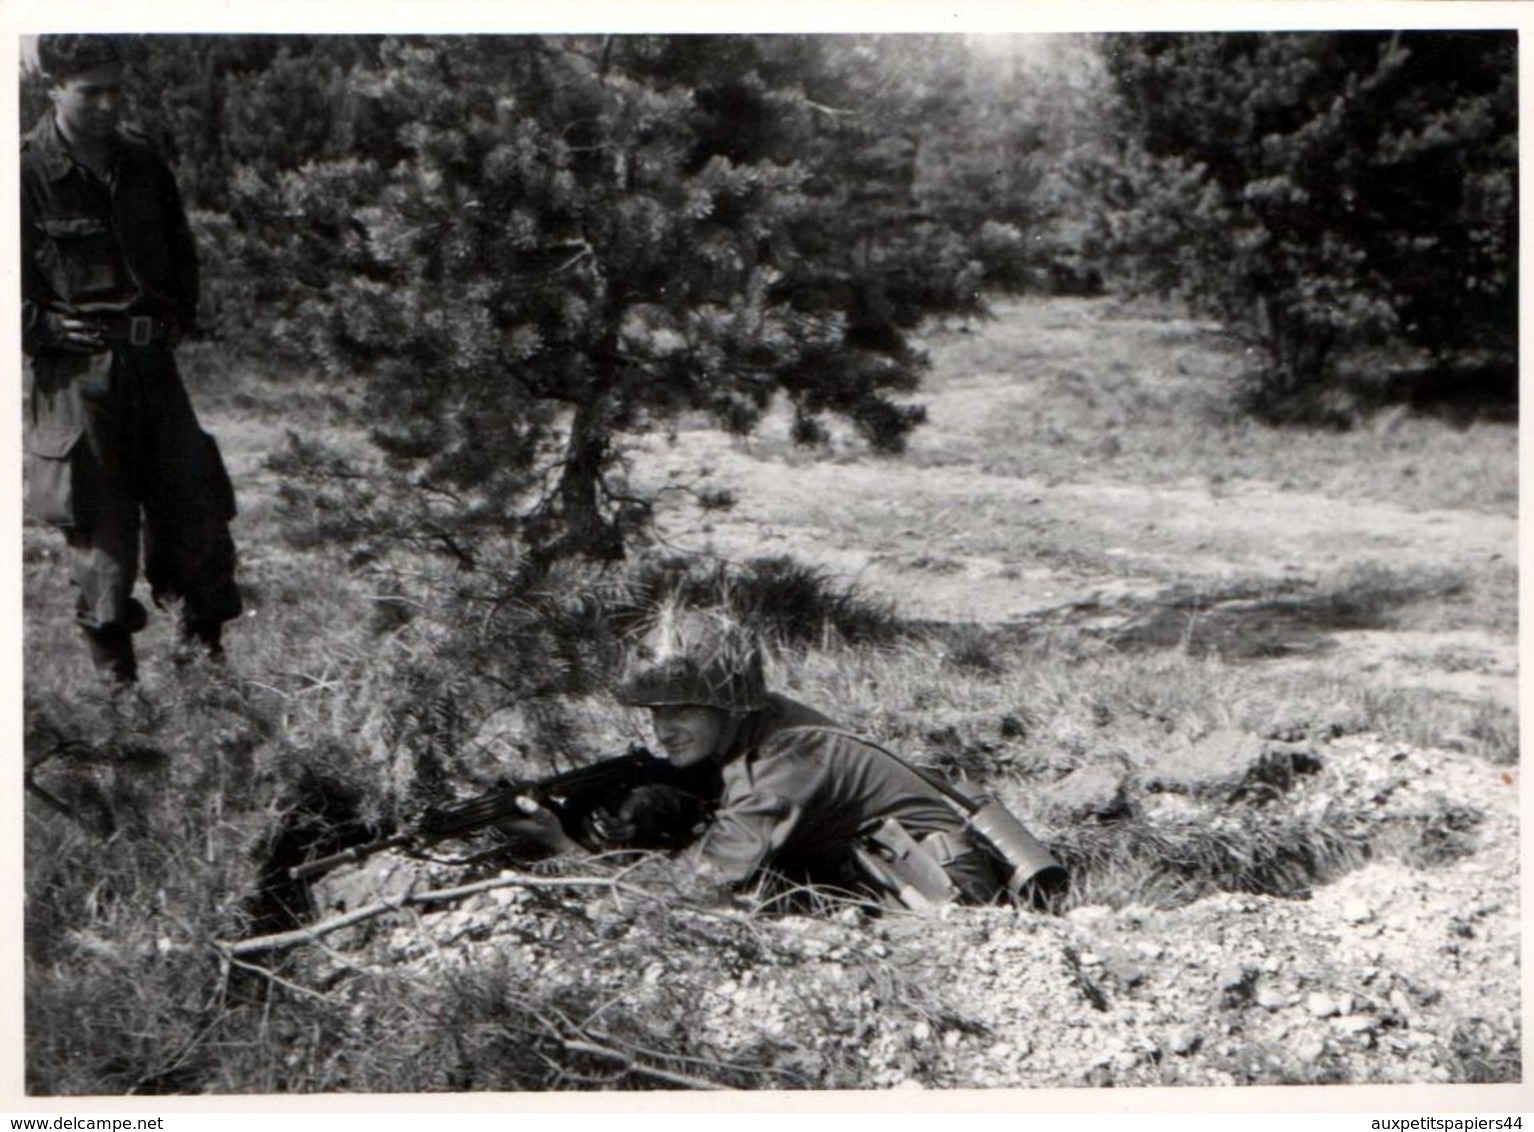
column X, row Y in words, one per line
column 116, row 459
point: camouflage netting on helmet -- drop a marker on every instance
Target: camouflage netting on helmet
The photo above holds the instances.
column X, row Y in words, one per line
column 696, row 657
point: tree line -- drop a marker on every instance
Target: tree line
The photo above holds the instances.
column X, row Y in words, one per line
column 532, row 247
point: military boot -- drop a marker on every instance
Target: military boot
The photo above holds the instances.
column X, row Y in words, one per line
column 112, row 654
column 199, row 638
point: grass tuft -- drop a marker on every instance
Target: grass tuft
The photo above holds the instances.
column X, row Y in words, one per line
column 1168, row 863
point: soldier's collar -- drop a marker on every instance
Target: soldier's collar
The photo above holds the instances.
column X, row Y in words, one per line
column 754, row 726
column 56, row 155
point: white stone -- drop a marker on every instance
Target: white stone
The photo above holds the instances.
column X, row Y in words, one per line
column 1356, row 1023
column 1310, row 1049
column 1271, row 998
column 1357, row 912
column 1320, row 1005
column 1184, row 1040
column 1232, row 977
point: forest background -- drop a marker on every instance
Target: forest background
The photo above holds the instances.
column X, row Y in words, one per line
column 631, row 226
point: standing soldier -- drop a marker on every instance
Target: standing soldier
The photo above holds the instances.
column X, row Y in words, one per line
column 109, row 285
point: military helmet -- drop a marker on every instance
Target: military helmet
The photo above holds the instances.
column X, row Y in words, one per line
column 698, row 658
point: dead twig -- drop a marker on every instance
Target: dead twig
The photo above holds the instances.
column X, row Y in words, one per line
column 575, row 1038
column 272, row 976
column 639, row 1068
column 281, row 941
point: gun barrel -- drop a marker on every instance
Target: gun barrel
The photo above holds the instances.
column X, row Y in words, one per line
column 322, row 865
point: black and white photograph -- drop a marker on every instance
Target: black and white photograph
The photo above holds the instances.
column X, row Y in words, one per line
column 863, row 561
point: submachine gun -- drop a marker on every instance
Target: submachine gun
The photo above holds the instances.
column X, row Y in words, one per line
column 675, row 803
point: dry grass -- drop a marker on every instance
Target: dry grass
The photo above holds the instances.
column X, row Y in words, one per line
column 1121, row 397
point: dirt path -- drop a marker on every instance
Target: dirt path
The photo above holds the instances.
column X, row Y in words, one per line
column 974, row 539
column 952, row 542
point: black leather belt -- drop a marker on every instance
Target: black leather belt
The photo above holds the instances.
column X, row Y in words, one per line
column 134, row 329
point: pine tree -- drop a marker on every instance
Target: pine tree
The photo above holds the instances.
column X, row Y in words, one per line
column 1021, row 177
column 578, row 238
column 1328, row 191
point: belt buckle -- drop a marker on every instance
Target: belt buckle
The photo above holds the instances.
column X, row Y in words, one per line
column 140, row 330
column 943, row 846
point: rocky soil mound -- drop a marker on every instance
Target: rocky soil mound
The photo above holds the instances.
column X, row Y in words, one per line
column 1403, row 968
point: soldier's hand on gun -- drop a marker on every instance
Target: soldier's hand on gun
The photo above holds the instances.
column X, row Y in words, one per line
column 540, row 825
column 615, row 828
column 650, row 815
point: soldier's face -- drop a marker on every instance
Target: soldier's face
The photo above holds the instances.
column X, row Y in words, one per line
column 89, row 104
column 689, row 734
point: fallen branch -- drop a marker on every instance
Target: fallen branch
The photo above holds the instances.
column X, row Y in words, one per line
column 273, row 977
column 630, row 1065
column 595, row 1045
column 281, row 941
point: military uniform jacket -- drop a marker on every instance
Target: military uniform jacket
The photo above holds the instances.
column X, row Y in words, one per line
column 115, row 244
column 90, row 246
column 797, row 791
